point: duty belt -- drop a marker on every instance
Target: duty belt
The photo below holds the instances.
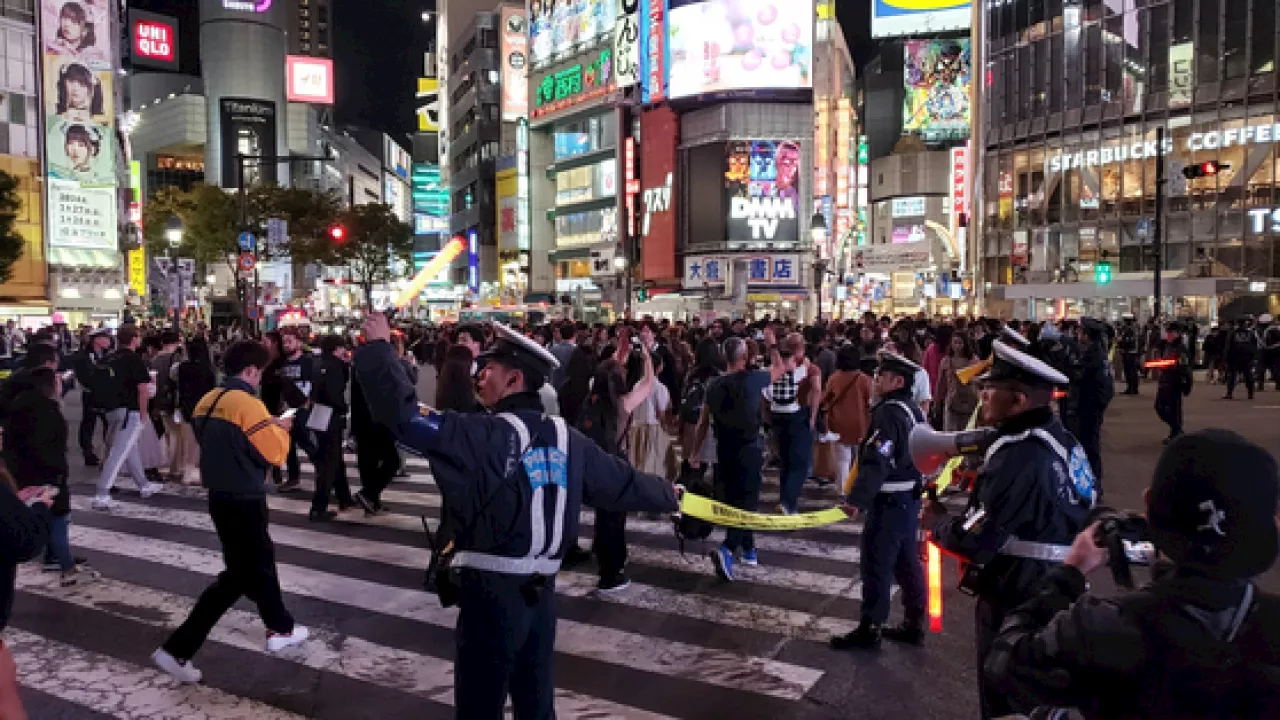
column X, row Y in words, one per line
column 900, row 486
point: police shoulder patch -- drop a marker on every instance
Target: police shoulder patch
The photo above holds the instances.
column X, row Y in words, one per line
column 1081, row 475
column 885, row 448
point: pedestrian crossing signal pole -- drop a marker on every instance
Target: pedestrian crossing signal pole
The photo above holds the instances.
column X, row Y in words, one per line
column 1157, row 231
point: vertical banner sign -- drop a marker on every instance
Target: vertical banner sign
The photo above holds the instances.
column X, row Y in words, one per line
column 959, row 184
column 79, row 68
column 1182, row 74
column 632, row 184
column 626, row 43
column 659, row 135
column 515, row 64
column 653, row 51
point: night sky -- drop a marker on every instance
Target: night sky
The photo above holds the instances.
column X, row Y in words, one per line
column 379, row 46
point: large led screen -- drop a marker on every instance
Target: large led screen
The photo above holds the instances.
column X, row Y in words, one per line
column 937, row 79
column 734, row 45
column 560, row 28
column 762, row 186
column 896, row 18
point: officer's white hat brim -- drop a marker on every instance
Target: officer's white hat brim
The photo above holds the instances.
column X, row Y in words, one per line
column 892, row 359
column 1022, row 364
column 537, row 352
column 1008, row 334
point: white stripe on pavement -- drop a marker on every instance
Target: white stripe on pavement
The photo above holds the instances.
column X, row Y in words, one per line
column 121, row 689
column 601, row 644
column 400, row 670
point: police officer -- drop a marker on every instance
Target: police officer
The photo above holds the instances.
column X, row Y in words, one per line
column 888, row 493
column 513, row 483
column 1201, row 641
column 1175, row 381
column 1269, row 354
column 1129, row 353
column 1242, row 348
column 1092, row 386
column 1033, row 494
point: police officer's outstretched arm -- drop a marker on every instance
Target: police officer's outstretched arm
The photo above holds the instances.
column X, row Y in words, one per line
column 609, row 483
column 393, row 401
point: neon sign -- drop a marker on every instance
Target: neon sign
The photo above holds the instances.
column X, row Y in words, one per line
column 253, row 6
column 575, row 84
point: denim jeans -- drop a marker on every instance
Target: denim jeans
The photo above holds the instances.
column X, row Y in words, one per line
column 795, row 455
column 59, row 548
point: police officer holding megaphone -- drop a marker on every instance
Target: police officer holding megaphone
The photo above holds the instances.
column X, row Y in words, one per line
column 1033, row 494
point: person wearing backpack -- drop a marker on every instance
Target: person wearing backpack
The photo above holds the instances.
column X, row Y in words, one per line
column 165, row 403
column 1201, row 641
column 124, row 383
column 85, row 364
column 732, row 405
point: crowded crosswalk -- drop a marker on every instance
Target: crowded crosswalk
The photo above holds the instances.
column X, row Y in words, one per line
column 676, row 643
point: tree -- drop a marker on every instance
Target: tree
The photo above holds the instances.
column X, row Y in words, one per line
column 375, row 241
column 11, row 241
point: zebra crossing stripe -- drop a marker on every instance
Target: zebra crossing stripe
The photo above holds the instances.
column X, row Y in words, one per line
column 597, row 643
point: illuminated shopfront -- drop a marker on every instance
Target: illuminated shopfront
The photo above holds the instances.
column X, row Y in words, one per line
column 1074, row 102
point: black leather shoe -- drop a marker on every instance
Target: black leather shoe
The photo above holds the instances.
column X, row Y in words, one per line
column 325, row 516
column 909, row 633
column 865, row 637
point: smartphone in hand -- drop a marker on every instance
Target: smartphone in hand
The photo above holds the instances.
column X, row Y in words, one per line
column 288, row 414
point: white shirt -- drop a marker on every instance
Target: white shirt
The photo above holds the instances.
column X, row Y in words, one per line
column 658, row 402
column 921, row 393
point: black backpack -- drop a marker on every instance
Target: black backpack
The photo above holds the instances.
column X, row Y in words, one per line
column 688, row 527
column 695, row 392
column 599, row 423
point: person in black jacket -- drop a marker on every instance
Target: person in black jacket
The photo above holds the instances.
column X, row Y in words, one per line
column 36, row 455
column 1092, row 387
column 330, row 391
column 91, row 412
column 1175, row 379
column 1201, row 641
column 196, row 377
column 25, row 517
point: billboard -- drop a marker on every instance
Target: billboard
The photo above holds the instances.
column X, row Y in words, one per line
column 626, row 43
column 937, row 76
column 559, row 29
column 79, row 91
column 896, row 18
column 659, row 135
column 731, row 45
column 762, row 188
column 249, row 129
column 309, row 79
column 515, row 64
column 655, row 49
column 153, row 40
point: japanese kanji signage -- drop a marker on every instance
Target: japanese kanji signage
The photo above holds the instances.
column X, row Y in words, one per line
column 81, row 217
column 574, row 84
column 772, row 270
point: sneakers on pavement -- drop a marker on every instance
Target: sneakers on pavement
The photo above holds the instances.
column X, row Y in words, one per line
column 749, row 558
column 79, row 576
column 723, row 560
column 183, row 671
column 277, row 641
column 102, row 502
column 150, row 489
column 613, row 585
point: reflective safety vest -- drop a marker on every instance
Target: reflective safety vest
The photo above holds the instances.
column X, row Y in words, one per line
column 546, row 469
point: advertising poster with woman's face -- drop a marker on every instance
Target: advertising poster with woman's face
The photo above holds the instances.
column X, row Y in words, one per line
column 73, row 92
column 81, row 151
column 79, row 30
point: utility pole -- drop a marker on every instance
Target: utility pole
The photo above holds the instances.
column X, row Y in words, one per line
column 1157, row 240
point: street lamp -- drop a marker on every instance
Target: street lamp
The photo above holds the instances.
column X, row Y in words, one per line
column 173, row 233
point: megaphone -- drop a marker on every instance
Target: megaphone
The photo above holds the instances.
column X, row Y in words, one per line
column 966, row 375
column 930, row 449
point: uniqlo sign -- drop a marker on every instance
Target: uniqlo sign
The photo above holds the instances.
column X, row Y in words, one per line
column 154, row 40
column 310, row 79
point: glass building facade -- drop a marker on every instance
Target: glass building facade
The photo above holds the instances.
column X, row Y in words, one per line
column 1077, row 92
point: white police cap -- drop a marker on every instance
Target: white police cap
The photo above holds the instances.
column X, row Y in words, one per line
column 510, row 346
column 1010, row 364
column 895, row 363
column 1011, row 336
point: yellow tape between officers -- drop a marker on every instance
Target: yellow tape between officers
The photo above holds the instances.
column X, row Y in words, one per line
column 718, row 513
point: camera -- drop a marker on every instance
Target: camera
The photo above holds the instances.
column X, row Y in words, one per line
column 1125, row 536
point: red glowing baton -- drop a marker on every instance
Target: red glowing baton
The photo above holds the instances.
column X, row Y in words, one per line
column 1160, row 364
column 935, row 586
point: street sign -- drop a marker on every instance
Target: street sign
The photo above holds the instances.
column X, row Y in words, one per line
column 277, row 232
column 186, row 268
column 1144, row 228
column 246, row 262
column 247, row 242
column 163, row 266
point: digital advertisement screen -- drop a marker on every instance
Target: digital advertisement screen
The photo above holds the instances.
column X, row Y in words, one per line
column 559, row 28
column 762, row 186
column 79, row 76
column 309, row 79
column 896, row 18
column 734, row 45
column 249, row 129
column 937, row 75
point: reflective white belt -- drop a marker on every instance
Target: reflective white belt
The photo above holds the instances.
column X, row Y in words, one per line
column 902, row 486
column 506, row 565
column 1030, row 550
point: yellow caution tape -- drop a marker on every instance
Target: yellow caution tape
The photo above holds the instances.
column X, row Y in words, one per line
column 720, row 514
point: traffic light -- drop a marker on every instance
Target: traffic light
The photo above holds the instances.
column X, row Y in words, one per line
column 338, row 234
column 1204, row 169
column 1102, row 273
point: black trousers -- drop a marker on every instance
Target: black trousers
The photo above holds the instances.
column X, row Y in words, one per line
column 988, row 617
column 610, row 544
column 89, row 416
column 331, row 471
column 1131, row 378
column 251, row 572
column 1169, row 410
column 1240, row 369
column 505, row 646
column 377, row 461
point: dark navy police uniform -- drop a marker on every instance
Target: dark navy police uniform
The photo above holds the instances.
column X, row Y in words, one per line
column 1032, row 497
column 887, row 493
column 513, row 484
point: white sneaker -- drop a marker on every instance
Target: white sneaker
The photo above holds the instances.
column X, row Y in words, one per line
column 150, row 489
column 277, row 642
column 102, row 502
column 183, row 671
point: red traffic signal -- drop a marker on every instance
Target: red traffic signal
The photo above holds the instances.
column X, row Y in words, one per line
column 338, row 233
column 1204, row 169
